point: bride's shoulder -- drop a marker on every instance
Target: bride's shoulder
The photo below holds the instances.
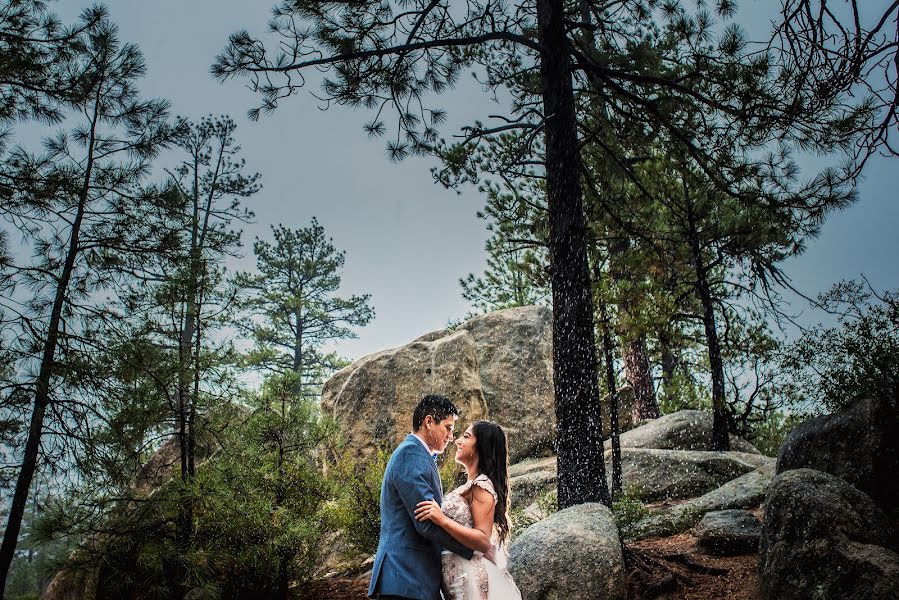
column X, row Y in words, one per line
column 483, row 482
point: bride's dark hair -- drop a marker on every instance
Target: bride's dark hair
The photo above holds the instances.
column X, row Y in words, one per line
column 493, row 461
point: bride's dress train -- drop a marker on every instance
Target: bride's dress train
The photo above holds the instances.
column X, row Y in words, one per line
column 478, row 578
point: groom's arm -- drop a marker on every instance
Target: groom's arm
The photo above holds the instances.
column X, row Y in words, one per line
column 413, row 486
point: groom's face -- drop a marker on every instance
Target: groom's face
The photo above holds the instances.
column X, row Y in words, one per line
column 438, row 434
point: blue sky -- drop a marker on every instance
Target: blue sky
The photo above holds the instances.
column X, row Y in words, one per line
column 407, row 239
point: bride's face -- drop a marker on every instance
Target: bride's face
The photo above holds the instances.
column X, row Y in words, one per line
column 466, row 453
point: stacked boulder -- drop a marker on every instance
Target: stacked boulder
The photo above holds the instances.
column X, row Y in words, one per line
column 830, row 516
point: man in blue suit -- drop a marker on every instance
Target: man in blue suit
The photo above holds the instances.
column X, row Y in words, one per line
column 407, row 564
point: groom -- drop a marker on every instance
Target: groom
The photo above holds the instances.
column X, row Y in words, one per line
column 407, row 564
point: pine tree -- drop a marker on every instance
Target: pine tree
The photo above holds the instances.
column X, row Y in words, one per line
column 73, row 203
column 37, row 78
column 388, row 55
column 294, row 308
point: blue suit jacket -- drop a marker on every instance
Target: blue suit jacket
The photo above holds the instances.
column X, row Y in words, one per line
column 408, row 559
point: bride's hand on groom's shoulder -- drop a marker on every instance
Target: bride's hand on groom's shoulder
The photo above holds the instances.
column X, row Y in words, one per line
column 429, row 510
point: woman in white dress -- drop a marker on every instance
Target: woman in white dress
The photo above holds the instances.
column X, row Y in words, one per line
column 476, row 514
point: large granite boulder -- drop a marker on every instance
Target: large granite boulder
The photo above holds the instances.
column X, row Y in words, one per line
column 374, row 397
column 496, row 366
column 683, row 430
column 748, row 491
column 823, row 538
column 678, row 474
column 515, row 360
column 859, row 444
column 728, row 532
column 662, row 475
column 574, row 554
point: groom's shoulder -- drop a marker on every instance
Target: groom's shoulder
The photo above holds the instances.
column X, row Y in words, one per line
column 408, row 450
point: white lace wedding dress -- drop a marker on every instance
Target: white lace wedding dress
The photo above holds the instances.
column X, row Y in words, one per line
column 478, row 578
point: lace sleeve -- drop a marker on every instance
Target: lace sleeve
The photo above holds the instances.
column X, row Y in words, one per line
column 483, row 482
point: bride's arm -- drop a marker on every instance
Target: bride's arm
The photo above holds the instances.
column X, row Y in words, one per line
column 477, row 537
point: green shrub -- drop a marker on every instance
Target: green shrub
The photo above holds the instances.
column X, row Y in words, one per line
column 357, row 510
column 628, row 508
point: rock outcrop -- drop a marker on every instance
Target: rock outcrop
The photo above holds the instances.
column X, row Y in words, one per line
column 683, row 430
column 574, row 554
column 374, row 397
column 679, row 474
column 748, row 491
column 823, row 538
column 496, row 366
column 859, row 445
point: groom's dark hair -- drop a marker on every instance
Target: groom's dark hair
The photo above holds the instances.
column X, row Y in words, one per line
column 439, row 407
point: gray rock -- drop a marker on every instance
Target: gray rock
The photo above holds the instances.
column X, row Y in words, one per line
column 728, row 532
column 859, row 445
column 679, row 474
column 574, row 554
column 374, row 397
column 683, row 430
column 496, row 366
column 528, row 481
column 748, row 491
column 823, row 538
column 515, row 358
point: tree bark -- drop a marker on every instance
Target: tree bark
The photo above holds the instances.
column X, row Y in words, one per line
column 669, row 359
column 639, row 374
column 611, row 384
column 581, row 469
column 720, row 439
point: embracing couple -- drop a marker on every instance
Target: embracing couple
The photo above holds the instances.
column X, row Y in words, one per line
column 454, row 543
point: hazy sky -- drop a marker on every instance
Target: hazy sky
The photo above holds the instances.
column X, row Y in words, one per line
column 407, row 239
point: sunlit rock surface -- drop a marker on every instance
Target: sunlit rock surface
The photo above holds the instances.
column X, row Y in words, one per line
column 748, row 491
column 373, row 398
column 859, row 444
column 574, row 554
column 683, row 430
column 823, row 538
column 496, row 366
column 728, row 532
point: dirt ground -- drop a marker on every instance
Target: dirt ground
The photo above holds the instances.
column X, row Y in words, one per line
column 673, row 567
column 659, row 569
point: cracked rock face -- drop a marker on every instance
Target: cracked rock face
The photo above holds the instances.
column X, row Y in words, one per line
column 496, row 366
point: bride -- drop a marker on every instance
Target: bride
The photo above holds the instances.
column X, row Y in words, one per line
column 476, row 515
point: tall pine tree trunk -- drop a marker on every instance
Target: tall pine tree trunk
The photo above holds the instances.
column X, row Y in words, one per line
column 720, row 439
column 638, row 372
column 581, row 469
column 669, row 359
column 42, row 385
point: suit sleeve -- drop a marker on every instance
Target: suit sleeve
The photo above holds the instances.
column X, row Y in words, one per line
column 414, row 488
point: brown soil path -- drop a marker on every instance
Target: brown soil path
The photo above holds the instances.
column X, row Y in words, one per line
column 671, row 568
